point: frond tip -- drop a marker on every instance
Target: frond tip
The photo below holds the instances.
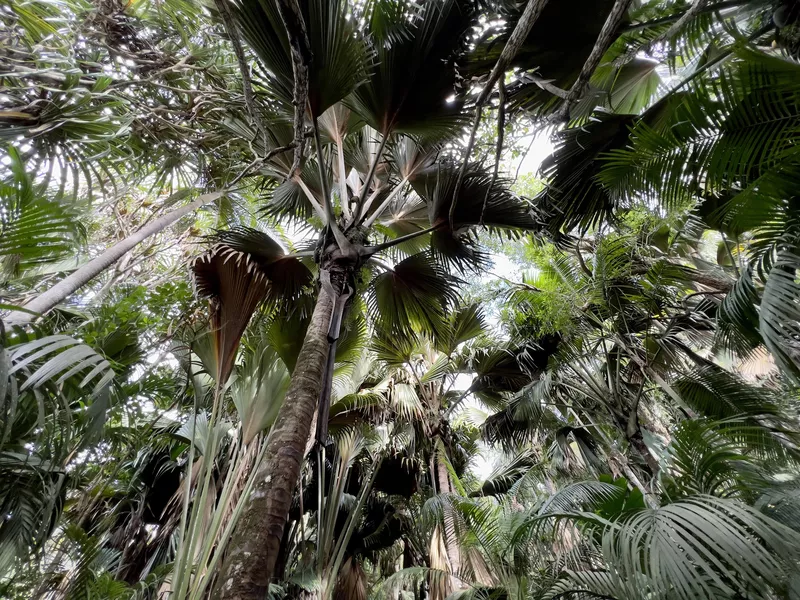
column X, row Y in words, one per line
column 700, row 547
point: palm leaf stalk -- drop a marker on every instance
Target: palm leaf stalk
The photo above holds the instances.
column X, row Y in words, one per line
column 607, row 35
column 530, row 15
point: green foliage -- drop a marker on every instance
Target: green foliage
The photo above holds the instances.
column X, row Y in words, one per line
column 34, row 229
column 627, row 428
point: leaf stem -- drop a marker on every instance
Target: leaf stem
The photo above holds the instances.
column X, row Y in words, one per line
column 371, row 173
column 370, row 250
column 515, row 41
column 340, row 238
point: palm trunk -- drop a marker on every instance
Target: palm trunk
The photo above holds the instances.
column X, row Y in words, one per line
column 450, row 536
column 72, row 283
column 255, row 544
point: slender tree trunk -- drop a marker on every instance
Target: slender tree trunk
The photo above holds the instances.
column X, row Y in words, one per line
column 637, row 441
column 633, row 431
column 73, row 282
column 450, row 537
column 255, row 544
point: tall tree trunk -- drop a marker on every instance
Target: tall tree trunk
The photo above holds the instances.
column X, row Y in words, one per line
column 73, row 282
column 445, row 486
column 254, row 547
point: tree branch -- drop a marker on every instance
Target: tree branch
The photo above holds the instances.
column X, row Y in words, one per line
column 546, row 85
column 272, row 153
column 501, row 131
column 370, row 250
column 690, row 14
column 301, row 54
column 603, row 43
column 582, row 263
column 530, row 15
column 86, row 272
column 247, row 84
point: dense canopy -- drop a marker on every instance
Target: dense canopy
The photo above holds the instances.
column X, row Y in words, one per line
column 289, row 308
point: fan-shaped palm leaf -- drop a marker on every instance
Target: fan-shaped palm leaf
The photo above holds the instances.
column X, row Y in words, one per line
column 243, row 270
column 341, row 56
column 415, row 294
column 258, row 389
column 416, row 48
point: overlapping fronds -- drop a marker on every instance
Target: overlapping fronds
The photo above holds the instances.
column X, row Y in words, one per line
column 34, row 228
column 341, row 57
column 479, row 203
column 689, row 549
column 32, row 497
column 258, row 389
column 466, row 323
column 724, row 132
column 55, row 359
column 719, row 394
column 416, row 50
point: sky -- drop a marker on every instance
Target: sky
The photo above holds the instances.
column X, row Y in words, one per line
column 541, row 148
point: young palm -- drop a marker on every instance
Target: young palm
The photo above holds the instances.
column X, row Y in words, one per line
column 638, row 349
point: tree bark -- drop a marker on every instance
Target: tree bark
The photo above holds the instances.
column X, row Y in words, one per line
column 254, row 547
column 83, row 275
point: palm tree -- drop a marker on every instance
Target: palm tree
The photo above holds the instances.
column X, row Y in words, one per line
column 637, row 349
column 452, row 195
column 384, row 131
column 88, row 135
column 638, row 452
column 694, row 144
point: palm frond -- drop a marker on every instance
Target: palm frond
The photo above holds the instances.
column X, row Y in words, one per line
column 701, row 547
column 341, row 55
column 34, row 229
column 466, row 323
column 779, row 323
column 415, row 295
column 32, row 497
column 721, row 134
column 719, row 394
column 416, row 50
column 506, row 474
column 245, row 268
column 258, row 389
column 738, row 318
column 57, row 358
